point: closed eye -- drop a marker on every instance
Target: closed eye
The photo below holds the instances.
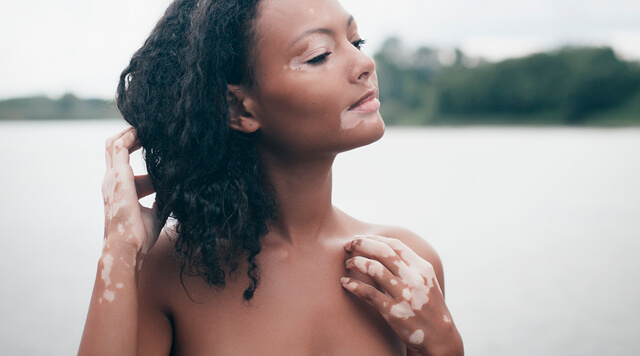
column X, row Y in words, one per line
column 319, row 59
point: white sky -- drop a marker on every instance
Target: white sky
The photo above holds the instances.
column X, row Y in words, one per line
column 80, row 46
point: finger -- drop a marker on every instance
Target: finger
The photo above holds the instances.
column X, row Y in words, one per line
column 144, row 186
column 408, row 266
column 375, row 250
column 130, row 141
column 378, row 272
column 368, row 293
column 108, row 145
column 119, row 153
column 412, row 259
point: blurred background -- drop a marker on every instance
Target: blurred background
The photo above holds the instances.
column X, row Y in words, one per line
column 513, row 147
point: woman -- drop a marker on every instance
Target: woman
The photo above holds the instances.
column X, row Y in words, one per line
column 241, row 107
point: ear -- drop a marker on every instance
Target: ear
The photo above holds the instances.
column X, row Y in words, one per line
column 241, row 106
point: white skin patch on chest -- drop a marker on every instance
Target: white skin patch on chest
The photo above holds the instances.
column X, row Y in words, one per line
column 417, row 337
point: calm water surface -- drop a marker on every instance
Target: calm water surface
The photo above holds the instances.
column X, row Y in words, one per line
column 538, row 229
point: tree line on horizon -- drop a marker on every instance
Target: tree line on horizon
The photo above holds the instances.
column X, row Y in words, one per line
column 429, row 86
column 568, row 86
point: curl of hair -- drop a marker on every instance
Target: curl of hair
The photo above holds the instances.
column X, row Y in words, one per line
column 206, row 175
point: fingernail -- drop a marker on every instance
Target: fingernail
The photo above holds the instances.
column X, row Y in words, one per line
column 344, row 280
column 347, row 245
column 347, row 262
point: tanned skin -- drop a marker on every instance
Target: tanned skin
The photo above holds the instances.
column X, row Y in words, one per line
column 330, row 284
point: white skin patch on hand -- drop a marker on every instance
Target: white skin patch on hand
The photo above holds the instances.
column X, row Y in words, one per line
column 412, row 279
column 447, row 320
column 414, row 261
column 402, row 310
column 417, row 337
column 420, row 298
column 406, row 294
column 393, row 282
column 120, row 285
column 419, row 286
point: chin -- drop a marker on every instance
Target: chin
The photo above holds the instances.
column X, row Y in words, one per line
column 364, row 133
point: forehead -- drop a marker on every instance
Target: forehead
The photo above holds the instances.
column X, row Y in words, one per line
column 281, row 21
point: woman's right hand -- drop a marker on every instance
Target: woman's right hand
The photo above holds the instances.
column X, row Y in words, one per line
column 126, row 220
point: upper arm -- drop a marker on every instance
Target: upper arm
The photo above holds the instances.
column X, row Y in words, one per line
column 155, row 330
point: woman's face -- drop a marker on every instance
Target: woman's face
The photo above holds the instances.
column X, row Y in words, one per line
column 315, row 91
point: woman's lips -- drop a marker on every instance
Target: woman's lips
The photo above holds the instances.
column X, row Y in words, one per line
column 368, row 103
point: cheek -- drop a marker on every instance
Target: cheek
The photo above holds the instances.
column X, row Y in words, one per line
column 300, row 114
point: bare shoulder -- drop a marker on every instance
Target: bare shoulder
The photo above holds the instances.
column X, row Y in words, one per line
column 160, row 269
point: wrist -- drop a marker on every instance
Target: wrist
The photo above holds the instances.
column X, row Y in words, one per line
column 122, row 250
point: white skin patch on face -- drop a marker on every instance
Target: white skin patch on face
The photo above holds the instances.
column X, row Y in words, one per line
column 402, row 310
column 318, row 46
column 417, row 337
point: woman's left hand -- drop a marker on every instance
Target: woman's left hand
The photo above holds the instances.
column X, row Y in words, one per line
column 411, row 300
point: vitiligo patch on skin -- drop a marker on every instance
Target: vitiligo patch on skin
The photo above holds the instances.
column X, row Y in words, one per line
column 406, row 294
column 447, row 320
column 105, row 274
column 318, row 46
column 402, row 310
column 368, row 267
column 417, row 337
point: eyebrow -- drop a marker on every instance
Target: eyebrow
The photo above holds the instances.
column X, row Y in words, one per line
column 326, row 31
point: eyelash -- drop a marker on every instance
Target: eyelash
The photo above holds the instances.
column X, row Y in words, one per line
column 323, row 57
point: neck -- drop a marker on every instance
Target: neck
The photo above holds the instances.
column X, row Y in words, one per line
column 303, row 196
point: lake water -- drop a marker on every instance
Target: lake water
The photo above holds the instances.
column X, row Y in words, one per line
column 538, row 230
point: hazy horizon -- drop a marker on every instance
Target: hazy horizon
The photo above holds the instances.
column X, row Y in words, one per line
column 79, row 47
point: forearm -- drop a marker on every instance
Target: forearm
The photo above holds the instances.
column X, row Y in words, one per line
column 112, row 321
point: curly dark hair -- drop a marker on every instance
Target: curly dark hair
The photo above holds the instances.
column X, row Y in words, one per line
column 206, row 175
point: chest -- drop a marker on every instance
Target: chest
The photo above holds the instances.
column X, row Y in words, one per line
column 299, row 308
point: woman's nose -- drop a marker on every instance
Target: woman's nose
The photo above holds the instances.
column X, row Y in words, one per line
column 363, row 67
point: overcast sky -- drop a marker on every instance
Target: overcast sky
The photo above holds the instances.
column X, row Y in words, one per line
column 80, row 46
